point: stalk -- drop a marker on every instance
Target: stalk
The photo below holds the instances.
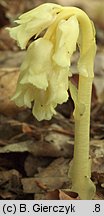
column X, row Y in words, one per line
column 81, row 167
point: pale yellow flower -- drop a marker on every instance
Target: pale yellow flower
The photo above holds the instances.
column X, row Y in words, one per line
column 34, row 22
column 44, row 72
column 37, row 64
column 66, row 40
column 46, row 83
column 43, row 80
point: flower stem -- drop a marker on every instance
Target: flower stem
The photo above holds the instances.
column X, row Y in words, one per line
column 81, row 167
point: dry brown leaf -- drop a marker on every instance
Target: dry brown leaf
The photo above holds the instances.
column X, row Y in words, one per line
column 7, row 195
column 30, row 185
column 46, row 143
column 31, row 131
column 10, row 181
column 59, row 194
column 54, row 176
column 41, row 185
column 33, row 165
column 68, row 195
column 8, row 79
column 49, row 183
column 52, row 195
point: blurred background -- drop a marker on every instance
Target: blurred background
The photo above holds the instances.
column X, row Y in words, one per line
column 27, row 147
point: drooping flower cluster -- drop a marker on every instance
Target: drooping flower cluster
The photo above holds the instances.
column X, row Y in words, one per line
column 43, row 79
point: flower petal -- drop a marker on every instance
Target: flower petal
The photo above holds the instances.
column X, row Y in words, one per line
column 42, row 109
column 58, row 83
column 56, row 93
column 41, row 80
column 33, row 23
column 37, row 64
column 24, row 95
column 66, row 39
